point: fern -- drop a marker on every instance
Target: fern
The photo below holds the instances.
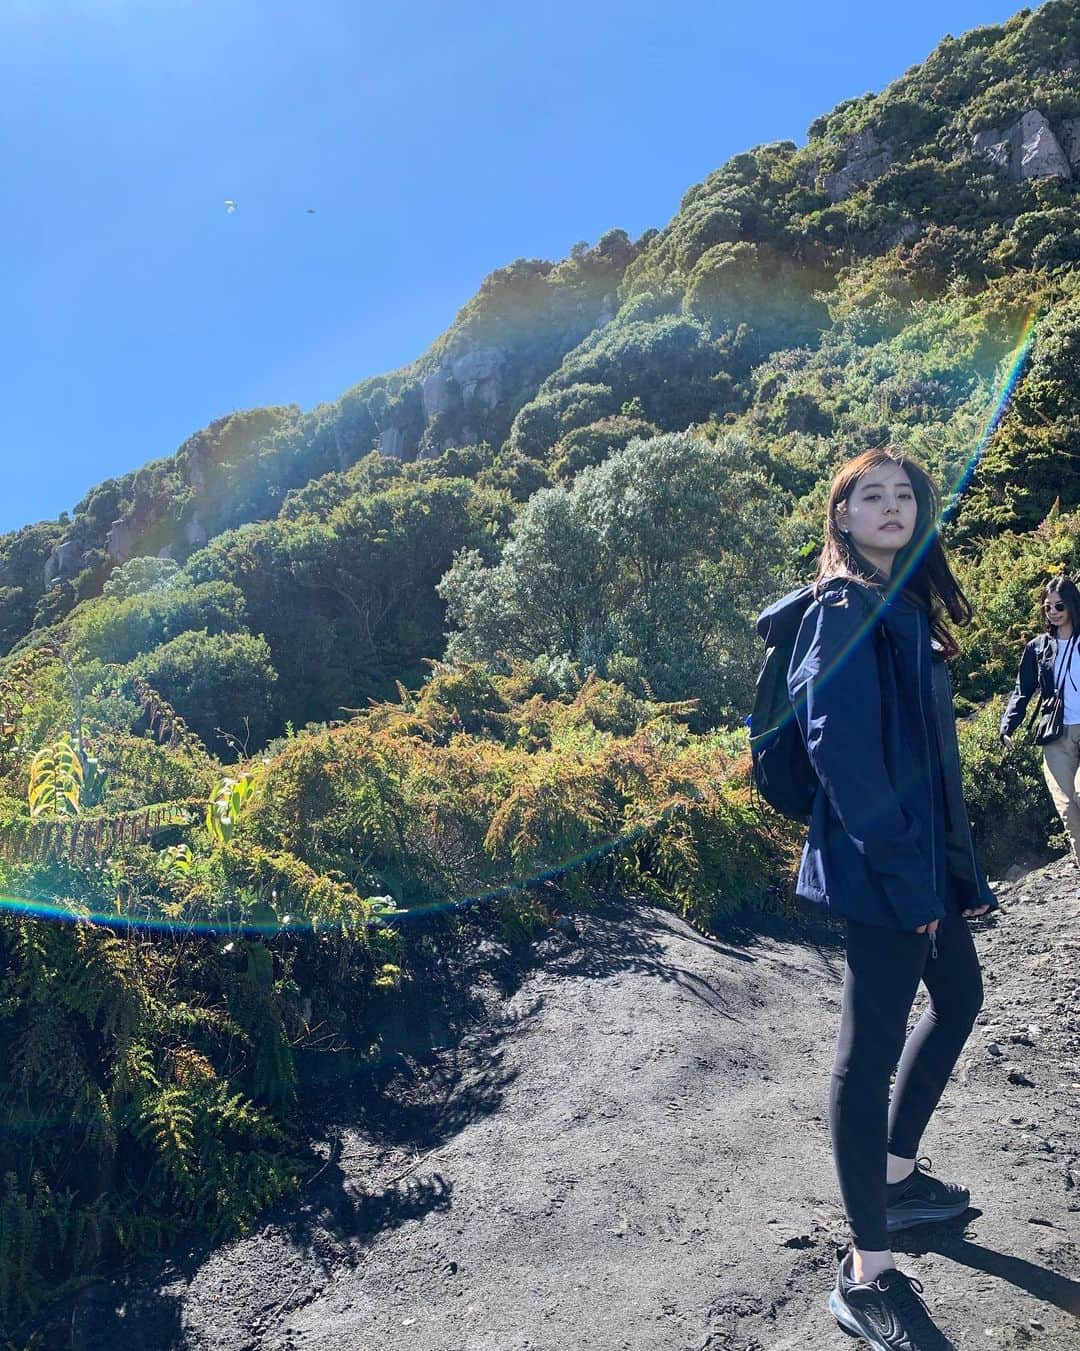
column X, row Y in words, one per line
column 165, row 1122
column 56, row 780
column 20, row 1238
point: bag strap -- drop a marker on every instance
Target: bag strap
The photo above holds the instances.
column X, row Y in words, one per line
column 1070, row 652
column 1036, row 710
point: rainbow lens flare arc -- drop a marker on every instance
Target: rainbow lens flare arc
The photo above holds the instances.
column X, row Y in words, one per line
column 60, row 910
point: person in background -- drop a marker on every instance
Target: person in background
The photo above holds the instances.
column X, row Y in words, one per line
column 1051, row 663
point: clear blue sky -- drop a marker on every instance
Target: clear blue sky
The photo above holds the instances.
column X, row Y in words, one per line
column 436, row 142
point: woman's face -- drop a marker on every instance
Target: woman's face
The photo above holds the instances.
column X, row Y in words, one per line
column 1055, row 609
column 879, row 516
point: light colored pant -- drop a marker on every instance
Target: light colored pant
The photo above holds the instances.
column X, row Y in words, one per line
column 1061, row 761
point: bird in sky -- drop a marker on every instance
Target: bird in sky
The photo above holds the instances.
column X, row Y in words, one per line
column 311, row 211
column 230, row 206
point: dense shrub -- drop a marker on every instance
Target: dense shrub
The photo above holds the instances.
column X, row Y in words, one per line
column 221, row 682
column 549, row 416
column 657, row 556
column 1012, row 816
column 593, row 444
column 117, row 630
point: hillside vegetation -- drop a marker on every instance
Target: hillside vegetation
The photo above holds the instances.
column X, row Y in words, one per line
column 488, row 619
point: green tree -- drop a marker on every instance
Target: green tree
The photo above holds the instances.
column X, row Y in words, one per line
column 654, row 561
column 216, row 681
column 140, row 576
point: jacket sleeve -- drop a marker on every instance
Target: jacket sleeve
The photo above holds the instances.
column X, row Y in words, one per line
column 835, row 688
column 1027, row 683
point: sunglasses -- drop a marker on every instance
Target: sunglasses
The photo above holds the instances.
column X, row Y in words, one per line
column 1049, row 605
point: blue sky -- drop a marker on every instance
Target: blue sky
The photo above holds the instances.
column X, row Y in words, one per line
column 435, row 141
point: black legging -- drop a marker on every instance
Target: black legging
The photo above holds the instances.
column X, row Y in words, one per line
column 882, row 974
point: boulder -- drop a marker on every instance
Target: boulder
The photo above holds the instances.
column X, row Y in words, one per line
column 121, row 541
column 479, row 374
column 905, row 232
column 993, row 144
column 1040, row 156
column 1028, row 149
column 195, row 533
column 64, row 561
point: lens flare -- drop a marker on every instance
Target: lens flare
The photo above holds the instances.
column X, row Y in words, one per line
column 69, row 910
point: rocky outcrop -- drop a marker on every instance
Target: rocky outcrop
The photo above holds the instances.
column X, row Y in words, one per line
column 479, row 375
column 121, row 543
column 63, row 562
column 195, row 532
column 903, row 234
column 392, row 442
column 1029, row 148
column 469, row 377
column 440, row 393
column 1069, row 139
column 867, row 159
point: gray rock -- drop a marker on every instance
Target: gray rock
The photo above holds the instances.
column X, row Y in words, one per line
column 1040, row 154
column 479, row 374
column 440, row 392
column 908, row 230
column 194, row 531
column 63, row 561
column 1027, row 149
column 1069, row 139
column 392, row 442
column 867, row 159
column 121, row 541
column 994, row 146
column 195, row 471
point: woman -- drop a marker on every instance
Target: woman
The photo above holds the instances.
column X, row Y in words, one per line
column 889, row 848
column 1051, row 663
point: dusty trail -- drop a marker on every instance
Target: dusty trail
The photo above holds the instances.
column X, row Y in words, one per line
column 623, row 1147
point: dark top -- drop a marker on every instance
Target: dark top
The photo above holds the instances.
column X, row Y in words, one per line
column 888, row 829
column 1035, row 676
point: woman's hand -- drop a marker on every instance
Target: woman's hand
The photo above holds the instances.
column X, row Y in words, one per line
column 1007, row 741
column 970, row 914
column 930, row 928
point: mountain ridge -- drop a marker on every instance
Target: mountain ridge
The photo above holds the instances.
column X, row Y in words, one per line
column 993, row 114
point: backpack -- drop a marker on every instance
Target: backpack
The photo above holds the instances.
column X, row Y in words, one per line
column 780, row 767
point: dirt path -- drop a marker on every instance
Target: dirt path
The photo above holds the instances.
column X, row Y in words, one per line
column 628, row 1151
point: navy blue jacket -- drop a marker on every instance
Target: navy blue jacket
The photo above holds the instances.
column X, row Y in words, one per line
column 888, row 835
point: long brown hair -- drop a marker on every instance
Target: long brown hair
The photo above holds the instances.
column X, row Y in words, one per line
column 921, row 569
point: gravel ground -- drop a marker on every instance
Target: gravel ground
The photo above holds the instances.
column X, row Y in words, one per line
column 618, row 1142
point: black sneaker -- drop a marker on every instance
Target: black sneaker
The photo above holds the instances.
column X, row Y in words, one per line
column 886, row 1313
column 922, row 1199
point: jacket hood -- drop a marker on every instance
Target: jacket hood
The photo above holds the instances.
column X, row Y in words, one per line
column 781, row 620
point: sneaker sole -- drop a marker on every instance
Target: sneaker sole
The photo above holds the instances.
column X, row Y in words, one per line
column 910, row 1218
column 849, row 1323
